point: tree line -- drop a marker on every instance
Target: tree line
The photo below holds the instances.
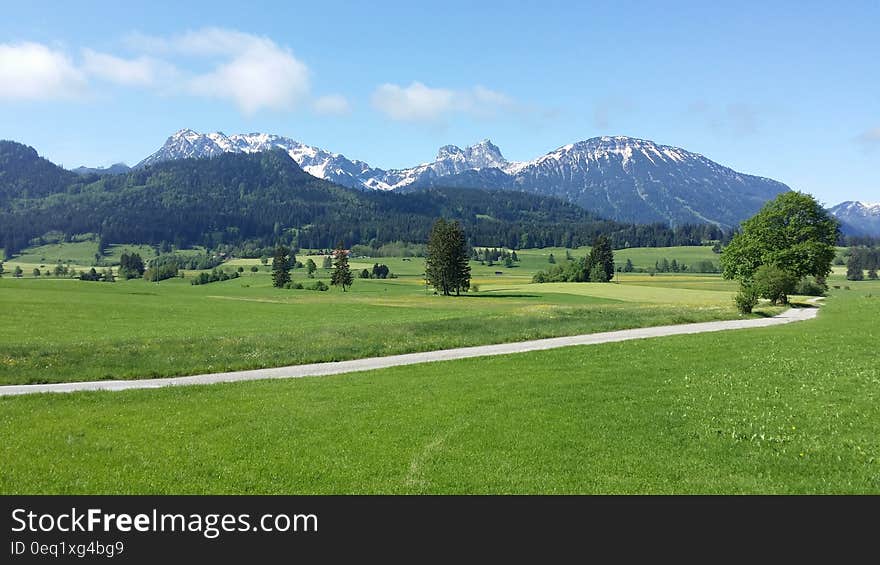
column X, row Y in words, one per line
column 862, row 259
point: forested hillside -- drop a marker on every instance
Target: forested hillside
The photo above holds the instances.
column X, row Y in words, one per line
column 264, row 198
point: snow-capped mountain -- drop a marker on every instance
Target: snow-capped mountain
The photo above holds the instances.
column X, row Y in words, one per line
column 334, row 167
column 858, row 218
column 450, row 160
column 633, row 180
column 621, row 178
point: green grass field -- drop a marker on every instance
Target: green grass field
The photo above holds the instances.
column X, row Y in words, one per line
column 66, row 330
column 788, row 409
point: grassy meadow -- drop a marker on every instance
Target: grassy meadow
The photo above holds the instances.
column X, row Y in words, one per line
column 787, row 409
column 58, row 330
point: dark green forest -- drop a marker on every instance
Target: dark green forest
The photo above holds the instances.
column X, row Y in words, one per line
column 260, row 200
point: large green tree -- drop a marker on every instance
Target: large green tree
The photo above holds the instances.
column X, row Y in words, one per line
column 447, row 268
column 341, row 271
column 282, row 261
column 792, row 232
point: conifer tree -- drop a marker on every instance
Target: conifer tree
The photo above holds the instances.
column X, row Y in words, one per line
column 446, row 265
column 602, row 257
column 854, row 267
column 282, row 261
column 341, row 272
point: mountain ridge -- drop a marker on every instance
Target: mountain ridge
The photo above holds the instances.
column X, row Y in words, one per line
column 256, row 200
column 858, row 218
column 623, row 178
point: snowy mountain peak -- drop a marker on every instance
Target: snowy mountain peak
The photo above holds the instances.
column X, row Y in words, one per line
column 481, row 155
column 858, row 218
column 619, row 177
column 185, row 133
column 859, row 207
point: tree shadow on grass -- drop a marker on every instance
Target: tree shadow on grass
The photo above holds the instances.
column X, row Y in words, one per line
column 481, row 295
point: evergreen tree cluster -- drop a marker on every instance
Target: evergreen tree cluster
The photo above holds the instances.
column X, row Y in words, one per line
column 380, row 271
column 92, row 275
column 162, row 268
column 489, row 257
column 131, row 266
column 598, row 266
column 216, row 275
column 863, row 259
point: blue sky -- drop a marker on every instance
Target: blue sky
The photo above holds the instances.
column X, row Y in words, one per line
column 788, row 90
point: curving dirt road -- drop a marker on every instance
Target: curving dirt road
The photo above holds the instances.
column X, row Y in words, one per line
column 333, row 368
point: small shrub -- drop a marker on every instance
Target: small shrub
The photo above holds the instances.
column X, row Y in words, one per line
column 774, row 283
column 746, row 299
column 809, row 287
column 475, row 288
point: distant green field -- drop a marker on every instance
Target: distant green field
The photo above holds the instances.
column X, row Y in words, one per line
column 642, row 257
column 64, row 330
column 137, row 329
column 113, row 253
column 788, row 409
column 78, row 253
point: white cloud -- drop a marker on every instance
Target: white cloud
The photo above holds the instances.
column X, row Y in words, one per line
column 486, row 102
column 252, row 71
column 420, row 103
column 142, row 71
column 332, row 105
column 416, row 102
column 869, row 139
column 257, row 79
column 32, row 71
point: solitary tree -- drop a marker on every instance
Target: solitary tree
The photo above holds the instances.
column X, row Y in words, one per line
column 1, row 269
column 601, row 256
column 446, row 262
column 311, row 267
column 551, row 259
column 341, row 272
column 17, row 272
column 792, row 232
column 282, row 261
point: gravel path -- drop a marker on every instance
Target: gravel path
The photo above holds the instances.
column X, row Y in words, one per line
column 333, row 368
